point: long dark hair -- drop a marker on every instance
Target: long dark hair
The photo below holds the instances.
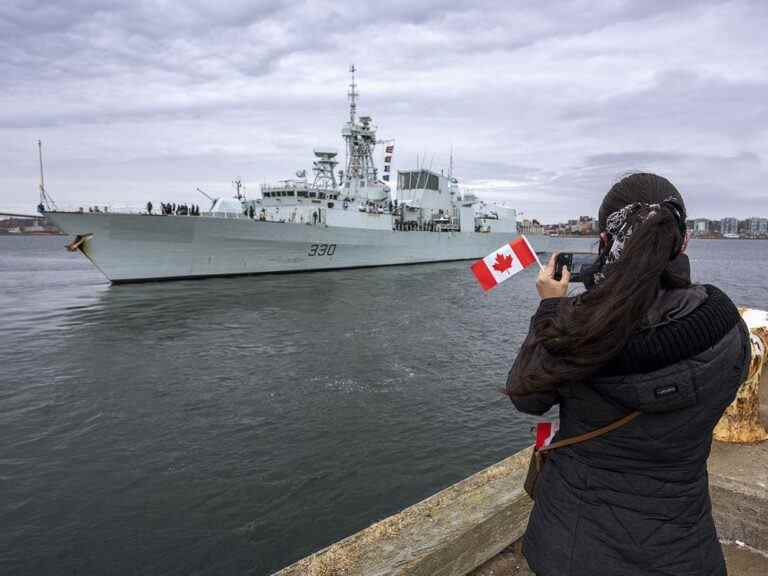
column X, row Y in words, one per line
column 586, row 334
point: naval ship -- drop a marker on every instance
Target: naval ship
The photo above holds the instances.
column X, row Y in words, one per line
column 339, row 218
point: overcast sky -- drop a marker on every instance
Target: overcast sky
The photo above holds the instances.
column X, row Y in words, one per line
column 545, row 103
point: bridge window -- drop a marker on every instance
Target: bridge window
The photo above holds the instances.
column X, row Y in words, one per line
column 418, row 179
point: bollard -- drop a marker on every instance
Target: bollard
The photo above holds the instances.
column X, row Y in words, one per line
column 741, row 422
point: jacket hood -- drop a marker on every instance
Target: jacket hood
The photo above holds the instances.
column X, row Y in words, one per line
column 674, row 305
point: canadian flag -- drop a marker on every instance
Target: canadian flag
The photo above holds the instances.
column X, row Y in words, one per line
column 545, row 431
column 504, row 262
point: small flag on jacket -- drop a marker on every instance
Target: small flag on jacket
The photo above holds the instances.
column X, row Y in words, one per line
column 545, row 431
column 504, row 262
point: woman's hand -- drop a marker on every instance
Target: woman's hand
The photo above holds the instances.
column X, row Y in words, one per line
column 546, row 284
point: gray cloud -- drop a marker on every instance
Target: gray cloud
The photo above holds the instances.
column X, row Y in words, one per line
column 545, row 103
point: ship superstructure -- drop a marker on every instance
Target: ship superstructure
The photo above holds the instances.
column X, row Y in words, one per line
column 356, row 197
column 332, row 218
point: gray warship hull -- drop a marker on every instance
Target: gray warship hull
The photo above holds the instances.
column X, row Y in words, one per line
column 136, row 248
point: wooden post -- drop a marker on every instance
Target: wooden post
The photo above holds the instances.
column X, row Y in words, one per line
column 741, row 423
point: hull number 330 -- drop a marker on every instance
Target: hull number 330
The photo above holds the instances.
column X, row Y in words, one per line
column 322, row 249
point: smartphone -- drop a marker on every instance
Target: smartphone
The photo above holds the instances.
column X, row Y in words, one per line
column 576, row 262
column 563, row 260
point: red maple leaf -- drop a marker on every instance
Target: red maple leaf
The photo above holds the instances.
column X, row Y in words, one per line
column 503, row 263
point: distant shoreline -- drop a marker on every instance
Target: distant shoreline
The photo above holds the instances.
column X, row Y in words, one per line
column 692, row 237
column 569, row 236
column 4, row 234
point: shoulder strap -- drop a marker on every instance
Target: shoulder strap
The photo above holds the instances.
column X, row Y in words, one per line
column 593, row 434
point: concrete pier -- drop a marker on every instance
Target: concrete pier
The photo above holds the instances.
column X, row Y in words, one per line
column 473, row 527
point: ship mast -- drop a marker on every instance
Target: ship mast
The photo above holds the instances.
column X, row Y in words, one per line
column 350, row 135
column 46, row 202
column 352, row 96
column 239, row 194
column 42, row 180
column 360, row 176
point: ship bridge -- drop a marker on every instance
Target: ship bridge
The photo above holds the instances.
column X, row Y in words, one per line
column 426, row 190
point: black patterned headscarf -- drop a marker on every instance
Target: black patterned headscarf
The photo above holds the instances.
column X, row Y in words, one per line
column 629, row 202
column 620, row 224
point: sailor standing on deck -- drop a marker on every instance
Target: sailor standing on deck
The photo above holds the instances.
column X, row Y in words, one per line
column 634, row 501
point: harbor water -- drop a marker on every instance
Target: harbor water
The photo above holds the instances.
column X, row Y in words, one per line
column 230, row 426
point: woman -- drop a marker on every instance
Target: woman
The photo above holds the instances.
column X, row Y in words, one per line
column 642, row 337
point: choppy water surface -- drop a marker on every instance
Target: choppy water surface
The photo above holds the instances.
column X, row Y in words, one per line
column 233, row 426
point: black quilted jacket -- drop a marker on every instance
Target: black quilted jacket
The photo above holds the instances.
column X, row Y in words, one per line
column 636, row 501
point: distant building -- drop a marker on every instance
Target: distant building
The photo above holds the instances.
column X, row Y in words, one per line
column 581, row 226
column 744, row 227
column 701, row 227
column 530, row 227
column 758, row 226
column 729, row 227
